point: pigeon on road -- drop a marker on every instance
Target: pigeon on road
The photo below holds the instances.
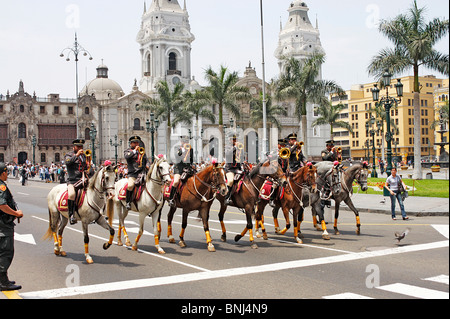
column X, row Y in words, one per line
column 400, row 236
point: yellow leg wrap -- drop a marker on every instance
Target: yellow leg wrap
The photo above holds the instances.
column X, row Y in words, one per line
column 119, row 232
column 124, row 231
column 111, row 238
column 295, row 232
column 60, row 241
column 250, row 231
column 358, row 220
column 244, row 232
column 182, row 232
column 158, row 225
column 324, row 226
column 86, row 248
column 55, row 238
column 224, row 230
column 262, row 225
column 169, row 231
column 275, row 221
column 284, row 231
column 156, row 240
column 208, row 237
column 335, row 222
column 138, row 238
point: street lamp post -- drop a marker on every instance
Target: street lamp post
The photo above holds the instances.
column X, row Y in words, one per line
column 152, row 126
column 34, row 143
column 76, row 50
column 115, row 144
column 372, row 133
column 93, row 136
column 388, row 102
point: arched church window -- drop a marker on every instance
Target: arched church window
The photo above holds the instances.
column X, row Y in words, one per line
column 22, row 130
column 148, row 66
column 87, row 134
column 86, row 111
column 137, row 124
column 172, row 61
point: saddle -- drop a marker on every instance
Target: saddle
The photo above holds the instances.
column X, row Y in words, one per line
column 265, row 193
column 63, row 202
column 137, row 192
column 187, row 173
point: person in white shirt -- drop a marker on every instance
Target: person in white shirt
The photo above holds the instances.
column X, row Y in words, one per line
column 392, row 185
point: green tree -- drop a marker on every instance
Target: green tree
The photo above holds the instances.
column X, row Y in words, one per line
column 272, row 112
column 300, row 82
column 329, row 115
column 414, row 40
column 166, row 106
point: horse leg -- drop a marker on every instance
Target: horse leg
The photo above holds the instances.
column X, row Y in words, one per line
column 286, row 210
column 169, row 224
column 89, row 259
column 103, row 223
column 299, row 221
column 222, row 210
column 259, row 216
column 336, row 216
column 249, row 228
column 275, row 219
column 318, row 210
column 157, row 230
column 296, row 225
column 205, row 218
column 62, row 225
column 349, row 203
column 141, row 231
column 182, row 243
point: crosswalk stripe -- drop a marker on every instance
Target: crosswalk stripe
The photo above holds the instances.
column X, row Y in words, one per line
column 443, row 279
column 414, row 291
column 346, row 295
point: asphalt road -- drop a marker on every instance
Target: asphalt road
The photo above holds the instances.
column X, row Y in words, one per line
column 372, row 265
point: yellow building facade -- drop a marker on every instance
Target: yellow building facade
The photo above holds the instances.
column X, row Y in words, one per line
column 359, row 104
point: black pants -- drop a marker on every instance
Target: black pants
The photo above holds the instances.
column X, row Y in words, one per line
column 6, row 252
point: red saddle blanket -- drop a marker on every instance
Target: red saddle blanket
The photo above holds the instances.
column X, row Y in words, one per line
column 266, row 190
column 168, row 189
column 63, row 203
column 137, row 192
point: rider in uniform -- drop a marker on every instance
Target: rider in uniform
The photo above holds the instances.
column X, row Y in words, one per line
column 233, row 156
column 8, row 213
column 330, row 154
column 77, row 167
column 297, row 159
column 136, row 163
column 184, row 160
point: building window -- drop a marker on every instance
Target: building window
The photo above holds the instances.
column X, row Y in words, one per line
column 86, row 111
column 56, row 110
column 87, row 134
column 22, row 130
column 42, row 109
column 70, row 110
column 172, row 61
column 137, row 125
column 57, row 157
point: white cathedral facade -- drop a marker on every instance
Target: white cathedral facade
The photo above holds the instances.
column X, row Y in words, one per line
column 165, row 40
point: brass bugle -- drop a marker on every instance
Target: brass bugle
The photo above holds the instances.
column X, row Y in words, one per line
column 339, row 150
column 285, row 153
column 141, row 150
column 88, row 153
column 240, row 146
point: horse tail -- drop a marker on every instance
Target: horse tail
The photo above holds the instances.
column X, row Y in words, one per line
column 110, row 211
column 49, row 232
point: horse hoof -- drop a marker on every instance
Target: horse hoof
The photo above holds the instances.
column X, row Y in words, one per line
column 120, row 244
column 89, row 261
column 106, row 246
column 171, row 240
column 326, row 237
column 182, row 244
column 258, row 234
column 299, row 241
column 161, row 251
column 265, row 237
column 336, row 232
column 63, row 253
column 57, row 253
column 254, row 246
column 237, row 238
column 223, row 238
column 358, row 232
column 211, row 248
column 277, row 230
column 134, row 248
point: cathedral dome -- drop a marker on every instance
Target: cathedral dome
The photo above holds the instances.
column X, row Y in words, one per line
column 103, row 88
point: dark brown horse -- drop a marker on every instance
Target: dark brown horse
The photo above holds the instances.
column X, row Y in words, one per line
column 198, row 193
column 303, row 178
column 248, row 195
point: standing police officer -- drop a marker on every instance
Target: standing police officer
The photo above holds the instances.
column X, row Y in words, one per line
column 77, row 167
column 8, row 213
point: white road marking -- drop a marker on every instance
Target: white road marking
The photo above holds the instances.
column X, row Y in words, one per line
column 347, row 295
column 443, row 229
column 443, row 279
column 226, row 273
column 414, row 291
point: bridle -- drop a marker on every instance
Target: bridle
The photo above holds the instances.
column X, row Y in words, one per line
column 214, row 186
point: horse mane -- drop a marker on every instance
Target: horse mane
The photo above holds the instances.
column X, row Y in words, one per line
column 93, row 179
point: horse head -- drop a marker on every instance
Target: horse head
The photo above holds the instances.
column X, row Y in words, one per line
column 104, row 180
column 160, row 170
column 311, row 177
column 219, row 179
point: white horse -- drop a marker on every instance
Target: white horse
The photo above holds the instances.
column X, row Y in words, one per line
column 100, row 186
column 148, row 204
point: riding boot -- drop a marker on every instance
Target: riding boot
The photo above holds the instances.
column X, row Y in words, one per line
column 228, row 200
column 71, row 206
column 172, row 196
column 128, row 199
column 6, row 285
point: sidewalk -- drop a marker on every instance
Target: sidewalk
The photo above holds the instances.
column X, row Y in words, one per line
column 414, row 206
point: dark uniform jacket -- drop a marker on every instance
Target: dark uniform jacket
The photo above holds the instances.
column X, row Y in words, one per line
column 76, row 166
column 232, row 163
column 183, row 160
column 328, row 156
column 296, row 161
column 6, row 221
column 133, row 161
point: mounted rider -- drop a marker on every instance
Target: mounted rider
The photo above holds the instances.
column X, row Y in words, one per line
column 184, row 161
column 330, row 154
column 297, row 159
column 137, row 165
column 233, row 157
column 77, row 164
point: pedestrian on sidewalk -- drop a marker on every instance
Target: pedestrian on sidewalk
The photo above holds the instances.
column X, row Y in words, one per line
column 394, row 184
column 8, row 213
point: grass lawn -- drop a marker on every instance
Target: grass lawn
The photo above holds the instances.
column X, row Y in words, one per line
column 422, row 188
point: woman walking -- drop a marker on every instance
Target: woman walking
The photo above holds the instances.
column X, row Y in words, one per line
column 394, row 184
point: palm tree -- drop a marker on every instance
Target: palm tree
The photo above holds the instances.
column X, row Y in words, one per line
column 166, row 106
column 272, row 111
column 413, row 41
column 300, row 82
column 225, row 93
column 443, row 117
column 329, row 115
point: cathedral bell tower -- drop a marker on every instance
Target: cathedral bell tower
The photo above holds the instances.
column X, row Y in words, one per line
column 165, row 38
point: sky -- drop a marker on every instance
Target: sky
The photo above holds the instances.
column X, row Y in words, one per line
column 33, row 34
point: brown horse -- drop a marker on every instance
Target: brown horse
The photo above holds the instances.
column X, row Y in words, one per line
column 248, row 195
column 198, row 193
column 304, row 177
